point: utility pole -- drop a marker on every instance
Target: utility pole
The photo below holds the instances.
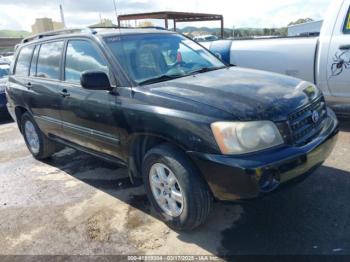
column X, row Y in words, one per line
column 62, row 17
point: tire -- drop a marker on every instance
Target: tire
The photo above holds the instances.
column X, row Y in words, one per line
column 196, row 196
column 42, row 148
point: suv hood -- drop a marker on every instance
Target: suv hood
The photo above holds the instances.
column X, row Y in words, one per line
column 246, row 94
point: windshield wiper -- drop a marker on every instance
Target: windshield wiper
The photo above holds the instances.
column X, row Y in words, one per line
column 159, row 79
column 206, row 69
column 165, row 77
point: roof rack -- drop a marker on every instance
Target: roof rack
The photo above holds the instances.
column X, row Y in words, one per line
column 127, row 27
column 104, row 27
column 153, row 27
column 90, row 29
column 56, row 32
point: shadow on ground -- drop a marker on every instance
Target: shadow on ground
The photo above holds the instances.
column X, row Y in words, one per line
column 311, row 218
column 76, row 164
column 5, row 120
column 344, row 124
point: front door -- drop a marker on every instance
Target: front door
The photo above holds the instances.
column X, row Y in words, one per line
column 338, row 71
column 88, row 116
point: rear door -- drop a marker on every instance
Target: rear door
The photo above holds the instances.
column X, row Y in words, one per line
column 44, row 84
column 20, row 93
column 88, row 115
column 339, row 55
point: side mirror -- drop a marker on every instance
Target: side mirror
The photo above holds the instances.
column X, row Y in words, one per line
column 95, row 80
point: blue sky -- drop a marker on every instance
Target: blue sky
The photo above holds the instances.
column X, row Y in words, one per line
column 20, row 14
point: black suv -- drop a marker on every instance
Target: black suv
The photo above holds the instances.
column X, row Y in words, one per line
column 190, row 127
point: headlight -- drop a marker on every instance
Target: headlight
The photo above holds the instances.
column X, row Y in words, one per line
column 245, row 137
column 2, row 88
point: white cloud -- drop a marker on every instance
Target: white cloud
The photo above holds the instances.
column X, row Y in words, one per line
column 20, row 14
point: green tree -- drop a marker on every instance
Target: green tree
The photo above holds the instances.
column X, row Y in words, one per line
column 301, row 21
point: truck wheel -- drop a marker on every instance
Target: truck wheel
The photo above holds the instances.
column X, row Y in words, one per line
column 38, row 144
column 175, row 188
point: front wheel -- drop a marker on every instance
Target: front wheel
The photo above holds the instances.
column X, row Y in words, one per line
column 175, row 189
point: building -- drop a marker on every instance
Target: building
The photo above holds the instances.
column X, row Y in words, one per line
column 45, row 24
column 7, row 44
column 309, row 28
column 104, row 23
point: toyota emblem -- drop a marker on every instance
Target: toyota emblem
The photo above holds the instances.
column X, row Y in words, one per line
column 315, row 117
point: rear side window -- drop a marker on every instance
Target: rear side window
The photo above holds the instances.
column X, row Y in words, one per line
column 23, row 61
column 48, row 65
column 81, row 56
column 32, row 71
column 347, row 23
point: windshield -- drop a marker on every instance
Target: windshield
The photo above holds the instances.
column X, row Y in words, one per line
column 149, row 58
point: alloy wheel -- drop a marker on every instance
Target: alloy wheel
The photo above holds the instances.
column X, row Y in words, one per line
column 166, row 189
column 32, row 137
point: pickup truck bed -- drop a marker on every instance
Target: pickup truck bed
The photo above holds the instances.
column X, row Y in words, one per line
column 289, row 56
column 293, row 56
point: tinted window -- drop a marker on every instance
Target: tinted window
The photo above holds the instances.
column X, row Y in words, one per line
column 347, row 23
column 81, row 56
column 32, row 71
column 49, row 60
column 23, row 61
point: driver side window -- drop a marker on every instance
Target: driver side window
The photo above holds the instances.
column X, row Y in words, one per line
column 81, row 55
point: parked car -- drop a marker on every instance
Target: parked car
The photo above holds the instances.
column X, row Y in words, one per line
column 6, row 60
column 4, row 70
column 205, row 38
column 191, row 127
column 323, row 60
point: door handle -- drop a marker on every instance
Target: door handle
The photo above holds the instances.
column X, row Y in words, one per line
column 29, row 85
column 64, row 93
column 344, row 47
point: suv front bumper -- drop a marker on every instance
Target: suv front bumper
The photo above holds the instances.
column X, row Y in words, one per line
column 242, row 177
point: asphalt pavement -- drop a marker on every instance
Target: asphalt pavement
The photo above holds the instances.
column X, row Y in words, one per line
column 74, row 203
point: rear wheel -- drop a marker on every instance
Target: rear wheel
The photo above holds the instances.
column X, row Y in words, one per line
column 175, row 189
column 38, row 144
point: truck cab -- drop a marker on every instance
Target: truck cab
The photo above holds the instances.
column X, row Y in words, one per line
column 333, row 59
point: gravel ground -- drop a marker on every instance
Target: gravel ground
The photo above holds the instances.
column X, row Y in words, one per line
column 77, row 204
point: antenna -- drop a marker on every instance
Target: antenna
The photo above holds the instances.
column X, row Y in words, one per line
column 115, row 8
column 62, row 16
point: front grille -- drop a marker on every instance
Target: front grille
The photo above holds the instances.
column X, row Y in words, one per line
column 302, row 126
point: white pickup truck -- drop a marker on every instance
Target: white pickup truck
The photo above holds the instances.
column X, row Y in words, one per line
column 323, row 60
